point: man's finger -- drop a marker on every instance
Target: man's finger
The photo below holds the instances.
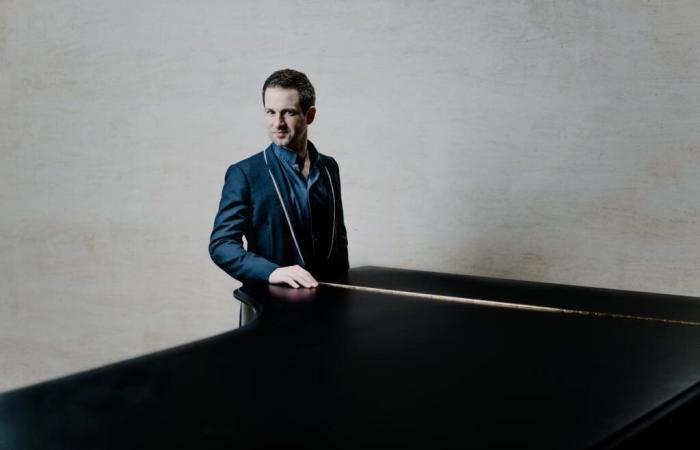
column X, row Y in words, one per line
column 305, row 276
column 290, row 281
column 301, row 279
column 305, row 282
column 302, row 276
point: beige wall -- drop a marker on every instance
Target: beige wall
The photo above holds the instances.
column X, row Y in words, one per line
column 545, row 140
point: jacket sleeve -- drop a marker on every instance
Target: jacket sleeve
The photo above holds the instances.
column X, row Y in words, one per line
column 232, row 222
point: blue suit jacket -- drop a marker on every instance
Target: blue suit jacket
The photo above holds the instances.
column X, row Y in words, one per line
column 255, row 203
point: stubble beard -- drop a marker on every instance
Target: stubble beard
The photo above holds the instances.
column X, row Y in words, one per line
column 282, row 142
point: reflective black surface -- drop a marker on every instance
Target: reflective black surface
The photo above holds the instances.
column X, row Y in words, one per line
column 335, row 367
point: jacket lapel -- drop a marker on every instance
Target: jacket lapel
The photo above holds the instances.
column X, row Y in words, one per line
column 273, row 164
column 326, row 175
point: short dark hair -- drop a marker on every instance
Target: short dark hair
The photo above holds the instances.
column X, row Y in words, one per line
column 292, row 79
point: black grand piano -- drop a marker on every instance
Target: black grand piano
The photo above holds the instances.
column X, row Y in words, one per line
column 389, row 358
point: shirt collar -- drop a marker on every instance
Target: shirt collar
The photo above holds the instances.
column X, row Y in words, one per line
column 290, row 157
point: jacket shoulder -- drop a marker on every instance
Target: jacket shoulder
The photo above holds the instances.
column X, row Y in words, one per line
column 252, row 163
column 329, row 161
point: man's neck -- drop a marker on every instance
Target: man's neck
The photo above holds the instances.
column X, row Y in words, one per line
column 306, row 166
column 302, row 151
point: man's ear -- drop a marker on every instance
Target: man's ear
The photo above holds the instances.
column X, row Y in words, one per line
column 310, row 114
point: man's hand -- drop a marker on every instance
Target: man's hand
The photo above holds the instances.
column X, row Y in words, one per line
column 294, row 276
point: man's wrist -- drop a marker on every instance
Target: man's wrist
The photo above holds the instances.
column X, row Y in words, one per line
column 272, row 269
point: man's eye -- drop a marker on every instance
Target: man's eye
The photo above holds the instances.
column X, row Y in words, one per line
column 291, row 113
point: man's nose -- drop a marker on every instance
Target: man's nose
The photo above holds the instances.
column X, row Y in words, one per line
column 280, row 121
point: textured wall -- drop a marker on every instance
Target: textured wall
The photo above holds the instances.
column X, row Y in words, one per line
column 546, row 140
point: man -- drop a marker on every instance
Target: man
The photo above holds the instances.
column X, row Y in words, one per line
column 285, row 201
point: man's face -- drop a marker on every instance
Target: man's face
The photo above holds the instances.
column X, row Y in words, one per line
column 286, row 124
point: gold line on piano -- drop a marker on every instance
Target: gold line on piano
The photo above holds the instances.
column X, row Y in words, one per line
column 520, row 306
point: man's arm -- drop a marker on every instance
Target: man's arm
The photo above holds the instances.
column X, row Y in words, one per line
column 226, row 243
column 232, row 221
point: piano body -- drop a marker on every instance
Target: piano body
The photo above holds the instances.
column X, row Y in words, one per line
column 394, row 358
